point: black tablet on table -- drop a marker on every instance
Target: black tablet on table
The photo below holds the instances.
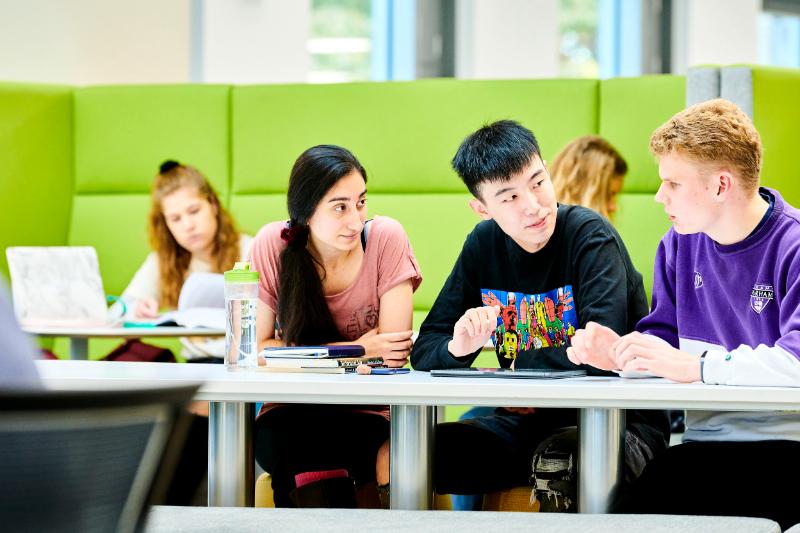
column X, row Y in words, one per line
column 523, row 373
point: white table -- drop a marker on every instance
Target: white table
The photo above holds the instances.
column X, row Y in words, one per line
column 79, row 337
column 413, row 396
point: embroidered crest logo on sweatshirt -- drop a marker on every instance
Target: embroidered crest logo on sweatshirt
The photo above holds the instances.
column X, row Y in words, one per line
column 761, row 296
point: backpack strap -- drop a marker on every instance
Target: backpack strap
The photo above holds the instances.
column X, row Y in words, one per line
column 364, row 233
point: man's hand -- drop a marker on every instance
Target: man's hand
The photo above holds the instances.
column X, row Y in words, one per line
column 594, row 346
column 473, row 329
column 637, row 352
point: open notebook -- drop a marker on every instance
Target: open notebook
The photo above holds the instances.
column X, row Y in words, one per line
column 201, row 304
column 57, row 286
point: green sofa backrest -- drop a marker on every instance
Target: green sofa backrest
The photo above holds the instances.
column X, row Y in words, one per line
column 104, row 145
column 36, row 180
column 630, row 109
column 770, row 95
column 122, row 134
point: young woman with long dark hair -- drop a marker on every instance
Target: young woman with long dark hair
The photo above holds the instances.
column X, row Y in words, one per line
column 328, row 275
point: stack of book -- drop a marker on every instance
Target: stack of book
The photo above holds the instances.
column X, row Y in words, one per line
column 334, row 359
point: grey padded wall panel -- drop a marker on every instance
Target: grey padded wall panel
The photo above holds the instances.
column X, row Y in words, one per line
column 736, row 85
column 702, row 83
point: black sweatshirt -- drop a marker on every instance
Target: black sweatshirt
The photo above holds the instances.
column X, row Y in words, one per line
column 583, row 269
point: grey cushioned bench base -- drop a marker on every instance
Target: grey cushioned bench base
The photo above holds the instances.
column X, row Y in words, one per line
column 230, row 519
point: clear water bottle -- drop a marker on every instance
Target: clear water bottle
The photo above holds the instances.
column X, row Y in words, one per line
column 241, row 295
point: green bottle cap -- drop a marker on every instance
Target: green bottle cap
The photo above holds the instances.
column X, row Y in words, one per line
column 241, row 273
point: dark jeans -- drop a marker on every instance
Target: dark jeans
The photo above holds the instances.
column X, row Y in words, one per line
column 292, row 439
column 494, row 452
column 538, row 449
column 720, row 479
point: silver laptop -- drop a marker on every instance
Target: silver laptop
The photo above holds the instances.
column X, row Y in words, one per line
column 57, row 286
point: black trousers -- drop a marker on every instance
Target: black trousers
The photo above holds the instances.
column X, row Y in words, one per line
column 292, row 439
column 721, row 479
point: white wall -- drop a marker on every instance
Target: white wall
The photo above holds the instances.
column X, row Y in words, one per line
column 255, row 41
column 87, row 42
column 94, row 41
column 507, row 39
column 263, row 41
column 714, row 32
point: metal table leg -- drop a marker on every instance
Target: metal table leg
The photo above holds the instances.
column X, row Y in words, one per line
column 231, row 480
column 601, row 457
column 79, row 348
column 411, row 460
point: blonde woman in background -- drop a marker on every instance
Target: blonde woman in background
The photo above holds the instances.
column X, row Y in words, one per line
column 190, row 231
column 589, row 172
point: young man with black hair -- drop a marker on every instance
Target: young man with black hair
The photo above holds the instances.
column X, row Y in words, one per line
column 558, row 266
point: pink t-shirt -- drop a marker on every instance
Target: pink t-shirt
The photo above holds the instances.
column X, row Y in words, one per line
column 388, row 261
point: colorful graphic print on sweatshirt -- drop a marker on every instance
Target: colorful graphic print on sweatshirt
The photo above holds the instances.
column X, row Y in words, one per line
column 531, row 321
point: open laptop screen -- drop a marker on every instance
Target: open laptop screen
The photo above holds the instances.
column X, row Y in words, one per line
column 57, row 286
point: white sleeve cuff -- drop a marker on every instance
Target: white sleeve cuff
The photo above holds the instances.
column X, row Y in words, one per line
column 718, row 367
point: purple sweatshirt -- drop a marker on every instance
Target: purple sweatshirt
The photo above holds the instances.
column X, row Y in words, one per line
column 741, row 304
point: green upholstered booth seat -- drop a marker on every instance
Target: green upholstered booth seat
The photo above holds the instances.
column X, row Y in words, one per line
column 36, row 153
column 122, row 134
column 769, row 95
column 630, row 109
column 776, row 115
column 405, row 133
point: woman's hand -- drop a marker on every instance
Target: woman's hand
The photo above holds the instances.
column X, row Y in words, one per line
column 393, row 347
column 146, row 308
